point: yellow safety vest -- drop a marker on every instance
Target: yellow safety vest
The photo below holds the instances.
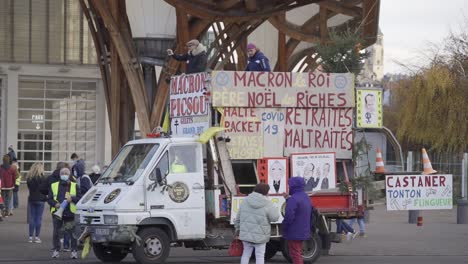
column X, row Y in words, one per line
column 55, row 187
column 178, row 168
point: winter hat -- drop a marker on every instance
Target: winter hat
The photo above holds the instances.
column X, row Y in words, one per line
column 193, row 42
column 251, row 46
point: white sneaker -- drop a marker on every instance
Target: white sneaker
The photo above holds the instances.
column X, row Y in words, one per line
column 55, row 254
column 37, row 240
column 74, row 254
column 30, row 240
column 349, row 236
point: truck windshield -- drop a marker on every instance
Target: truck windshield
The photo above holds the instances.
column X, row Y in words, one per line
column 130, row 163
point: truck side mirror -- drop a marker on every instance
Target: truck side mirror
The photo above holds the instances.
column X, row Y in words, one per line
column 159, row 178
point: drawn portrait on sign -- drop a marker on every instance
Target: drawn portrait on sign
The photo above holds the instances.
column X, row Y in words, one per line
column 317, row 169
column 369, row 108
column 277, row 176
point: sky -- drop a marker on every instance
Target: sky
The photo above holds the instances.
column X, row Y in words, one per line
column 409, row 26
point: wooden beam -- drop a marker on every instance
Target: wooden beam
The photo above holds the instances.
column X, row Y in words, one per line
column 131, row 68
column 182, row 32
column 323, row 24
column 292, row 30
column 282, row 59
column 342, row 8
column 250, row 5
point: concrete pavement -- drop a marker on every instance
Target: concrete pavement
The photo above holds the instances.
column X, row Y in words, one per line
column 390, row 240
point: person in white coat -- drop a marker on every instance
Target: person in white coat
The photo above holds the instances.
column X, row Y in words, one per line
column 253, row 223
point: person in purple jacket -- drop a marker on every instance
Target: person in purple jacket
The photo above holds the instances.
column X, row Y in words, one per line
column 257, row 61
column 296, row 223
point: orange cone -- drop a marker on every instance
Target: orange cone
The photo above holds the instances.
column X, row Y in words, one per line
column 379, row 165
column 427, row 163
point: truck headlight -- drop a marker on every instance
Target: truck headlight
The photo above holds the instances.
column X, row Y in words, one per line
column 111, row 219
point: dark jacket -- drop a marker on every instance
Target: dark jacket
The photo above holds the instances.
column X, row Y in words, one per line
column 94, row 177
column 324, row 185
column 258, row 62
column 296, row 223
column 78, row 168
column 54, row 177
column 12, row 155
column 8, row 176
column 196, row 59
column 36, row 187
column 311, row 184
column 64, row 187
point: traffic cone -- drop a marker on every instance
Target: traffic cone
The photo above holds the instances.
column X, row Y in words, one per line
column 427, row 163
column 379, row 164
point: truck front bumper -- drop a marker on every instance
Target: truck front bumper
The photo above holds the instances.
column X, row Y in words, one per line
column 110, row 233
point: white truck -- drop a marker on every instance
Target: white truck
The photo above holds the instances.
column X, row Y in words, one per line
column 141, row 205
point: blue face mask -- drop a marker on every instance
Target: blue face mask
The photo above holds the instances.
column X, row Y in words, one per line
column 64, row 177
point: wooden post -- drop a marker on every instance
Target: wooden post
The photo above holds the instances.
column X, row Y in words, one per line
column 282, row 59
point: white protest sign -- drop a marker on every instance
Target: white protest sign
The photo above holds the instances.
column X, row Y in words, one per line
column 278, row 201
column 282, row 89
column 419, row 192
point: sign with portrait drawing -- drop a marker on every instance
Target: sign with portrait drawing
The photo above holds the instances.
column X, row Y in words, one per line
column 369, row 108
column 275, row 172
column 317, row 169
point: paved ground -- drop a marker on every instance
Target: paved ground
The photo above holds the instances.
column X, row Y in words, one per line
column 391, row 240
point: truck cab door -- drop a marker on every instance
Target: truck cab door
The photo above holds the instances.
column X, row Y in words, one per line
column 180, row 197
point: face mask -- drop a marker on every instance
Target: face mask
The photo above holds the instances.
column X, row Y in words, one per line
column 64, row 177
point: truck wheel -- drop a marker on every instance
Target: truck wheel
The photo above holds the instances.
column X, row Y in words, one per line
column 310, row 249
column 154, row 246
column 108, row 254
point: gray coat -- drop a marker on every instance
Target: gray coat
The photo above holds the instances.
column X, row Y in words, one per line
column 254, row 218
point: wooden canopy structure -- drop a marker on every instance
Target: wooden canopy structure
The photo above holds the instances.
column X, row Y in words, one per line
column 232, row 21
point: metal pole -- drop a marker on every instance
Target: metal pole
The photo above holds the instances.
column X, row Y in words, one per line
column 462, row 204
column 412, row 214
column 464, row 176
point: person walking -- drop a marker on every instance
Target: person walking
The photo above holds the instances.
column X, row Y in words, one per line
column 15, row 201
column 253, row 223
column 296, row 223
column 59, row 192
column 36, row 181
column 8, row 176
column 257, row 61
column 196, row 57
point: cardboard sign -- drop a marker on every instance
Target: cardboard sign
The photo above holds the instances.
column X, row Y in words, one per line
column 274, row 172
column 237, row 201
column 369, row 111
column 317, row 169
column 419, row 192
column 189, row 107
column 282, row 89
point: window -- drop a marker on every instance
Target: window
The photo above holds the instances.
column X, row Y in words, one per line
column 130, row 163
column 163, row 166
column 183, row 159
column 55, row 119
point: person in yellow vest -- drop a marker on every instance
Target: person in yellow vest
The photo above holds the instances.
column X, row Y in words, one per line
column 63, row 195
column 177, row 165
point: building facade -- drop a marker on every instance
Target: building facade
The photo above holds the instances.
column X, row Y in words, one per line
column 52, row 101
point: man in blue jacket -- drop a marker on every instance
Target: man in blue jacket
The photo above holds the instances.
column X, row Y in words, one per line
column 296, row 223
column 257, row 60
